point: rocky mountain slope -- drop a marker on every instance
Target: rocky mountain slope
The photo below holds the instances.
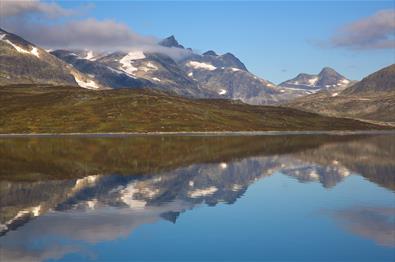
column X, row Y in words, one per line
column 373, row 99
column 135, row 69
column 227, row 77
column 21, row 62
column 382, row 81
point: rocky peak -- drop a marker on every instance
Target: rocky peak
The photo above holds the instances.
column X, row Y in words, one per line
column 170, row 41
column 210, row 52
column 327, row 71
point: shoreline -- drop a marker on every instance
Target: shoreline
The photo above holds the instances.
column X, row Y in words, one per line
column 202, row 133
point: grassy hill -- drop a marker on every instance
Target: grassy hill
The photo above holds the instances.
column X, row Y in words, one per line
column 40, row 109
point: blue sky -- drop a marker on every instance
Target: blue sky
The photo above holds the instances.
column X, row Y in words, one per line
column 275, row 40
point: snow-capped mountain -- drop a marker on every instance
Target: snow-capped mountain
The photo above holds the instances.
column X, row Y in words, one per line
column 135, row 69
column 87, row 63
column 22, row 62
column 328, row 79
column 201, row 76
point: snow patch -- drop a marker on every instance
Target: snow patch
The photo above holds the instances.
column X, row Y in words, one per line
column 313, row 81
column 313, row 175
column 235, row 69
column 236, row 187
column 190, row 74
column 203, row 192
column 222, row 92
column 152, row 66
column 34, row 50
column 115, row 71
column 89, row 56
column 345, row 81
column 156, row 79
column 89, row 84
column 129, row 199
column 126, row 61
column 334, row 94
column 199, row 65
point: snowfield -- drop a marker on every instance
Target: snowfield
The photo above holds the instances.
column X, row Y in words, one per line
column 222, row 92
column 203, row 192
column 34, row 50
column 89, row 84
column 126, row 61
column 313, row 81
column 199, row 65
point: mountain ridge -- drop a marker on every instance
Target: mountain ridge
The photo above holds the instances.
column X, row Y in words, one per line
column 371, row 99
column 327, row 79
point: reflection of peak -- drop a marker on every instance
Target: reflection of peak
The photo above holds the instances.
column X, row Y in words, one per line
column 21, row 218
column 170, row 216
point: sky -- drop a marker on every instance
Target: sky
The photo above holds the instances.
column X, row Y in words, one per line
column 276, row 40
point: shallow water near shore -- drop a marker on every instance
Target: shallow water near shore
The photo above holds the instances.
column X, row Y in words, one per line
column 280, row 197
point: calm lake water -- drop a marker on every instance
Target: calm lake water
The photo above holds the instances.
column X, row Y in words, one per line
column 235, row 198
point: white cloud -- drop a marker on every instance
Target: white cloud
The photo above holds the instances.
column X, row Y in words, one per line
column 373, row 32
column 17, row 8
column 75, row 32
column 86, row 33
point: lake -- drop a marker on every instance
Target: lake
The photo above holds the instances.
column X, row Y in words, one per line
column 198, row 198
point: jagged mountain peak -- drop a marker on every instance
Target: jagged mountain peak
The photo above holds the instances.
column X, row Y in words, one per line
column 210, row 52
column 170, row 41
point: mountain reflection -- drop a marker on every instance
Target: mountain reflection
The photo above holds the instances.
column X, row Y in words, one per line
column 101, row 189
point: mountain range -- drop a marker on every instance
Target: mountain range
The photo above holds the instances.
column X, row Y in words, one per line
column 196, row 76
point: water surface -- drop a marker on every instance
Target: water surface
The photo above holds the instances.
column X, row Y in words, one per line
column 298, row 197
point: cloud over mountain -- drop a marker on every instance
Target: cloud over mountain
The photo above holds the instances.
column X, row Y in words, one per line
column 74, row 31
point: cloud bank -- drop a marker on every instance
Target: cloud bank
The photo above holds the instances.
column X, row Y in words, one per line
column 27, row 7
column 373, row 32
column 75, row 32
